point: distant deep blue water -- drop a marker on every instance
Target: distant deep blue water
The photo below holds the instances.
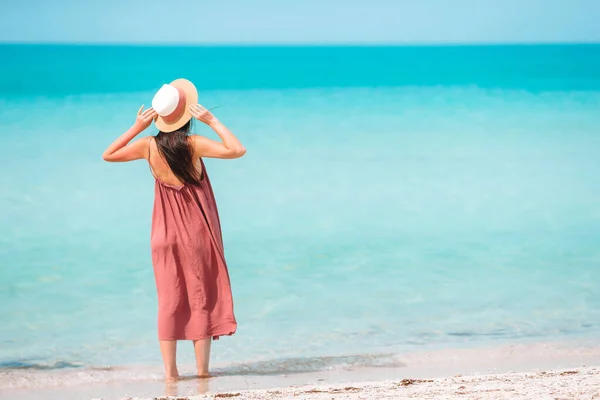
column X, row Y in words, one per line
column 67, row 70
column 392, row 198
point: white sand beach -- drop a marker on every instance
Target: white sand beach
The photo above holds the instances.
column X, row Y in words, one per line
column 580, row 384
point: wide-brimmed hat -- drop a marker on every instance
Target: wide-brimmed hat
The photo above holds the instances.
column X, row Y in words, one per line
column 171, row 103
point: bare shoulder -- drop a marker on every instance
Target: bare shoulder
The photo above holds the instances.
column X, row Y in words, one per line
column 144, row 144
column 196, row 138
column 195, row 141
column 198, row 141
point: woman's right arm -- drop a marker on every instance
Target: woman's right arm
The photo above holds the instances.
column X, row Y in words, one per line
column 229, row 147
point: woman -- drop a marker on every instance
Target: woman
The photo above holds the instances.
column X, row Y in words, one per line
column 192, row 281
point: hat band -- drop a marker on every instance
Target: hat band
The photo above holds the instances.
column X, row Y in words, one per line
column 179, row 110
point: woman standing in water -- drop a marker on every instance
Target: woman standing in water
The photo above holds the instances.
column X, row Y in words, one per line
column 192, row 281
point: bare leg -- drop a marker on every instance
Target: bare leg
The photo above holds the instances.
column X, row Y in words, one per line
column 202, row 350
column 168, row 348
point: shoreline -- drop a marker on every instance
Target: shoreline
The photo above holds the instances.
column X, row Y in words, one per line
column 504, row 363
column 580, row 383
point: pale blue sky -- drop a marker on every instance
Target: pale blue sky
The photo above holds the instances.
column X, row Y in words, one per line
column 300, row 21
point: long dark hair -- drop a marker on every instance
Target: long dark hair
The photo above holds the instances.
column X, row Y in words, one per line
column 176, row 150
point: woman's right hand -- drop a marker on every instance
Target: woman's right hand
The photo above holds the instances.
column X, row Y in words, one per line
column 144, row 118
column 202, row 114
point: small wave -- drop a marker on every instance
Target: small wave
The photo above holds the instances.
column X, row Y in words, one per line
column 37, row 366
column 25, row 374
column 297, row 365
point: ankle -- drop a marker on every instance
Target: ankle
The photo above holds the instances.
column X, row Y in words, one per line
column 204, row 374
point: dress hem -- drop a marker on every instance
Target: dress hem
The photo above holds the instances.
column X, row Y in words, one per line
column 215, row 336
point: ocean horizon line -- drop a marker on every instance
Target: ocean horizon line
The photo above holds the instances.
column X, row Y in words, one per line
column 300, row 44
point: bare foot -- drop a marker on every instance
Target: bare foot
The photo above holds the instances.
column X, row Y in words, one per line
column 205, row 375
column 172, row 378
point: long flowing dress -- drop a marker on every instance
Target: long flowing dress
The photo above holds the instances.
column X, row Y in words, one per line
column 192, row 280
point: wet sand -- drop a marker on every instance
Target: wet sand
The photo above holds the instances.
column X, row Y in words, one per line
column 536, row 371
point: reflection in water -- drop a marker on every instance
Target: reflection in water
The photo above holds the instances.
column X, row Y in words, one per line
column 173, row 389
column 203, row 385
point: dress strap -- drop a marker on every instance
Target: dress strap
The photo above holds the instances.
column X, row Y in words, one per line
column 149, row 163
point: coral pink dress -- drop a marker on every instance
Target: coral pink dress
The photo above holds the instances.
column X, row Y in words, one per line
column 194, row 291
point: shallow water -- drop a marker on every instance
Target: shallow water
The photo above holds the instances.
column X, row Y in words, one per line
column 371, row 216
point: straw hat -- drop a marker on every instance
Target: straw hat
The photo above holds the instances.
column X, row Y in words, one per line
column 171, row 103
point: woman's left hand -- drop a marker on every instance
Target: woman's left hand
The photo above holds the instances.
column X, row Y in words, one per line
column 144, row 118
column 202, row 114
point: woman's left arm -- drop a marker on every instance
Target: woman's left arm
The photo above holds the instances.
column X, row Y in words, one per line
column 120, row 150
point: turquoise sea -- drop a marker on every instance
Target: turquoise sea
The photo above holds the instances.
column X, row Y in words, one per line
column 391, row 199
